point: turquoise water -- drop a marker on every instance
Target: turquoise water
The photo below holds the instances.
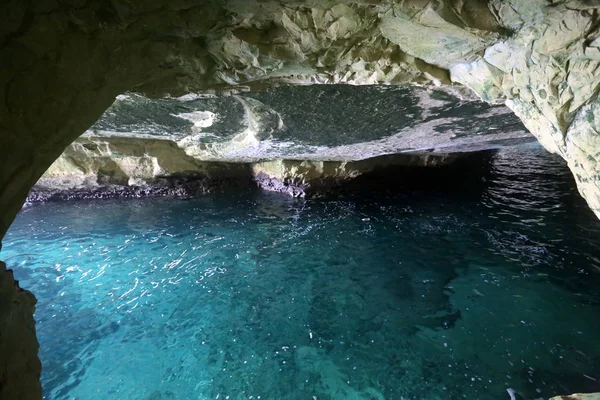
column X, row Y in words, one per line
column 446, row 284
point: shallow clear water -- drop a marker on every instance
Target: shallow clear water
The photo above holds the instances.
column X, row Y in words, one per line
column 462, row 283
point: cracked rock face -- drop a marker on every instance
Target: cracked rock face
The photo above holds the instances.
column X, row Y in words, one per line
column 548, row 73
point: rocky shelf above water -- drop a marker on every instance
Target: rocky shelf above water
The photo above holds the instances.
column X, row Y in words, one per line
column 319, row 122
column 287, row 139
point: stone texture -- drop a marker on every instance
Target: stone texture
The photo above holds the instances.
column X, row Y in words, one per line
column 106, row 167
column 314, row 137
column 140, row 141
column 428, row 36
column 19, row 364
column 66, row 61
column 114, row 167
column 94, row 162
column 548, row 73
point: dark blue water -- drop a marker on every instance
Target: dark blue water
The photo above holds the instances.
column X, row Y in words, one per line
column 445, row 284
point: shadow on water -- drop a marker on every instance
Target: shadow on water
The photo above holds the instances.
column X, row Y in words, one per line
column 467, row 177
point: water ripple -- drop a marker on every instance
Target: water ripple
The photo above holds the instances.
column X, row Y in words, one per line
column 440, row 291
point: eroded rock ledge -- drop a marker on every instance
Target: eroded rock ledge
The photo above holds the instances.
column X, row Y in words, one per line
column 297, row 140
column 132, row 167
column 319, row 122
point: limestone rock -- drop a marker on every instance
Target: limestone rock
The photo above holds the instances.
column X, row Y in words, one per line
column 93, row 161
column 140, row 141
column 100, row 167
column 316, row 178
column 325, row 122
column 427, row 36
column 112, row 166
column 64, row 62
column 548, row 73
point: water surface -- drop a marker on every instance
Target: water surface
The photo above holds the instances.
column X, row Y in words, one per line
column 445, row 284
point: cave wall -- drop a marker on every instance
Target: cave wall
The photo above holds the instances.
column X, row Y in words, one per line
column 152, row 142
column 64, row 61
column 548, row 73
column 19, row 364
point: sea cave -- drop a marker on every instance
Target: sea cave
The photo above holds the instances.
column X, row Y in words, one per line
column 300, row 199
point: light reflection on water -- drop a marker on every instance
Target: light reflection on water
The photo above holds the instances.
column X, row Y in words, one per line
column 459, row 284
